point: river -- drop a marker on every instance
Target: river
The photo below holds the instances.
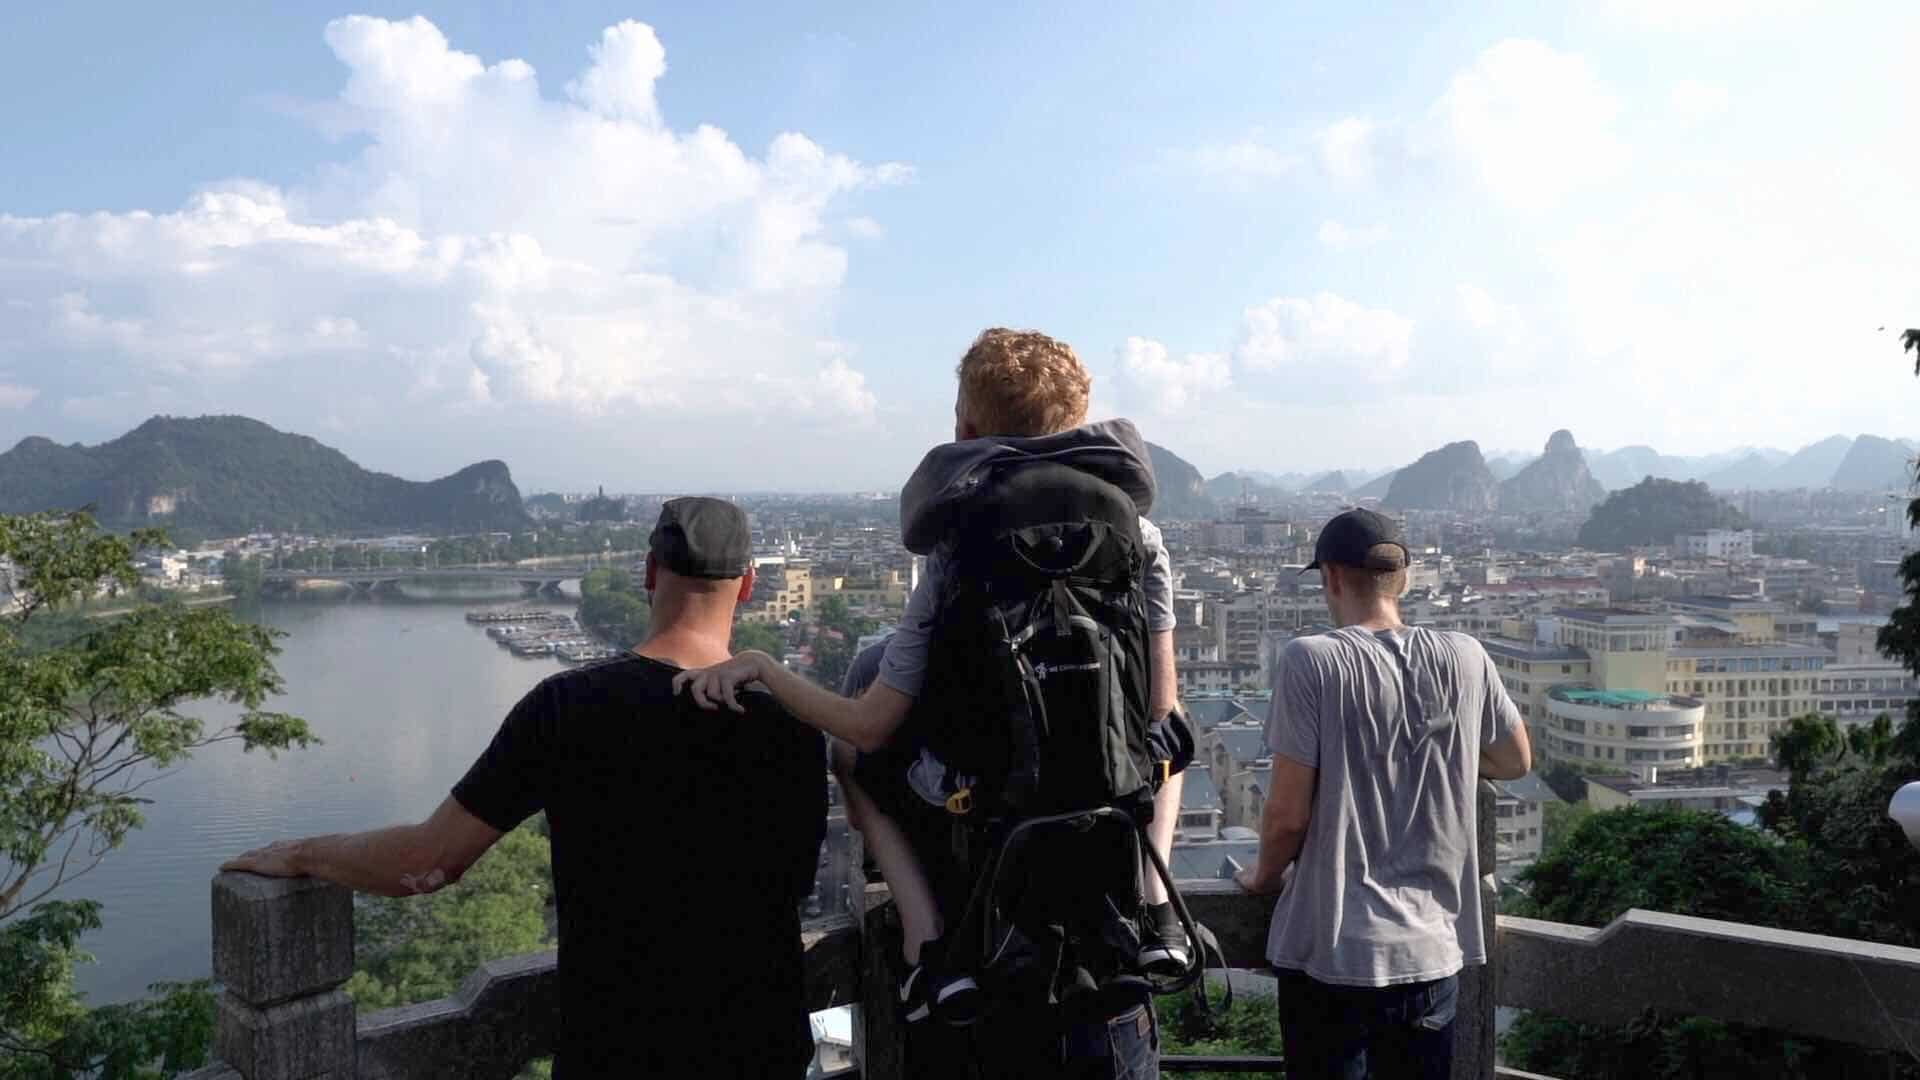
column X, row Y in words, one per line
column 405, row 695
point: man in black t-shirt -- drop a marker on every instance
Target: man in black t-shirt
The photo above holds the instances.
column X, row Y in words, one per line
column 683, row 840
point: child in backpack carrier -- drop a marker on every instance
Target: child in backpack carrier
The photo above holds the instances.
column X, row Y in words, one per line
column 1022, row 400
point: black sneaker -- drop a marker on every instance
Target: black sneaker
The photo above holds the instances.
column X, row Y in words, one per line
column 1164, row 948
column 928, row 990
column 914, row 1006
column 956, row 1000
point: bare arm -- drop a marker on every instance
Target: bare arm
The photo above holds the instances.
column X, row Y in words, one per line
column 401, row 860
column 1283, row 825
column 1164, row 683
column 1509, row 757
column 865, row 722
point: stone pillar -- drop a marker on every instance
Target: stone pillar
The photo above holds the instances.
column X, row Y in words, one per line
column 879, row 1035
column 1474, row 1038
column 281, row 949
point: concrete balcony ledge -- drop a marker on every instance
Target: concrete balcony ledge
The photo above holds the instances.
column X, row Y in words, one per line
column 283, row 948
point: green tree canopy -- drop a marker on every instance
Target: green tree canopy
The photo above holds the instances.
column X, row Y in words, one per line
column 89, row 710
column 1685, row 862
column 613, row 608
column 410, row 949
column 752, row 635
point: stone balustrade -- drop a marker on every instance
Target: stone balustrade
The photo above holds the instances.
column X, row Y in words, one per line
column 283, row 948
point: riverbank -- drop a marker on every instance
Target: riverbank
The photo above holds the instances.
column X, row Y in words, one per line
column 117, row 608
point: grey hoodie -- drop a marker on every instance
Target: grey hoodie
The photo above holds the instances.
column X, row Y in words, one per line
column 1111, row 450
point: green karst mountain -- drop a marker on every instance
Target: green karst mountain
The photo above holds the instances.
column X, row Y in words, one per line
column 1182, row 491
column 1454, row 477
column 226, row 475
column 1874, row 464
column 1654, row 511
column 1558, row 481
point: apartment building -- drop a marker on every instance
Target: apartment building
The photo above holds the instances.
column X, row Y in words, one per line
column 1715, row 544
column 1219, row 676
column 783, row 586
column 1610, row 686
column 1519, row 813
column 1238, row 621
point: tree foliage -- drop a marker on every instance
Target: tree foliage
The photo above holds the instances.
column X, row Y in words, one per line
column 90, row 711
column 752, row 635
column 46, row 1033
column 1654, row 511
column 837, row 633
column 416, row 948
column 1687, row 862
column 1560, row 820
column 1250, row 1027
column 613, row 607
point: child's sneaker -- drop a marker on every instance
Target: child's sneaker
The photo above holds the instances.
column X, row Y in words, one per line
column 929, row 990
column 914, row 1006
column 1164, row 949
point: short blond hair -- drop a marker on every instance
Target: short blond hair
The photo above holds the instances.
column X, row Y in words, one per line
column 1022, row 383
column 1386, row 577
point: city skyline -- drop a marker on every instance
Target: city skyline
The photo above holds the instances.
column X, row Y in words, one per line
column 746, row 252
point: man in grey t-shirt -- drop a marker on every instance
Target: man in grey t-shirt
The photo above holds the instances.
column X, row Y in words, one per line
column 1380, row 733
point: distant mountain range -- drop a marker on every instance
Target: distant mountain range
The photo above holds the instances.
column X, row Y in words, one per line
column 227, row 475
column 1562, row 479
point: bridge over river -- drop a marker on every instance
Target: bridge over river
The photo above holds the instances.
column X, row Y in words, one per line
column 532, row 579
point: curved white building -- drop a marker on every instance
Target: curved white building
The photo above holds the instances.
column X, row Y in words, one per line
column 1637, row 730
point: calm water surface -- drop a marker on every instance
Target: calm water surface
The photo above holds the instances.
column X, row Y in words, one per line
column 406, row 695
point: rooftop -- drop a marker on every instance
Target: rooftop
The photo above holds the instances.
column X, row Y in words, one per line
column 1779, row 648
column 1620, row 699
column 1710, row 782
column 1198, row 792
column 1529, row 787
column 1244, row 744
column 1612, row 616
column 1533, row 650
column 1728, row 603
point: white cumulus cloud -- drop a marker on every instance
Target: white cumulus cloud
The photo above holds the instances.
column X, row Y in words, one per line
column 479, row 242
column 16, row 397
column 1326, row 332
column 1165, row 383
column 1531, row 123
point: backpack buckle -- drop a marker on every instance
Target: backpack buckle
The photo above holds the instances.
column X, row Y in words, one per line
column 960, row 802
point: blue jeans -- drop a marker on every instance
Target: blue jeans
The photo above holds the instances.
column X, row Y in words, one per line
column 1402, row 1032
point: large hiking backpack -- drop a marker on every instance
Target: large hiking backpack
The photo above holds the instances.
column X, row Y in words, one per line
column 1037, row 700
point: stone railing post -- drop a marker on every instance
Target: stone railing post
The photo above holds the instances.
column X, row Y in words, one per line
column 879, row 1036
column 281, row 949
column 1474, row 1035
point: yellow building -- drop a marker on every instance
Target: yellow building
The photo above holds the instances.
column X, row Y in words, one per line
column 784, row 586
column 1719, row 696
column 886, row 592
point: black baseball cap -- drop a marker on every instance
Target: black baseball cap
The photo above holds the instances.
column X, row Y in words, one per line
column 703, row 538
column 1347, row 539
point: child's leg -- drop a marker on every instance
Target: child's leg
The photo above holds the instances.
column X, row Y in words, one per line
column 1166, row 820
column 919, row 916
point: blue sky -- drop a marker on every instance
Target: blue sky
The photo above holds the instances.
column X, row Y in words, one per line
column 729, row 246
